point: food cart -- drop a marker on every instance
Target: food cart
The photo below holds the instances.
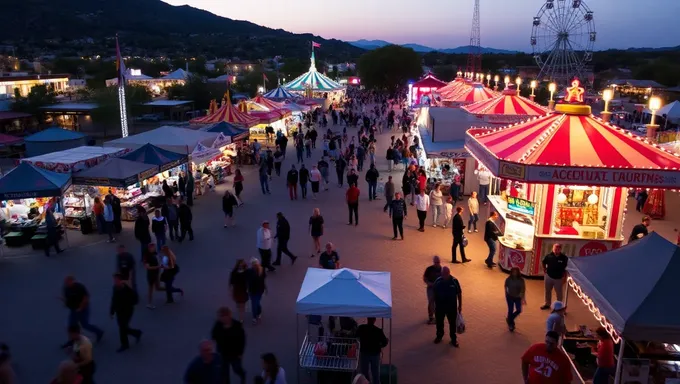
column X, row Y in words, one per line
column 340, row 292
column 564, row 179
column 630, row 291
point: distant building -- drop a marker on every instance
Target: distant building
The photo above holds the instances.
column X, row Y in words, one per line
column 24, row 82
column 342, row 67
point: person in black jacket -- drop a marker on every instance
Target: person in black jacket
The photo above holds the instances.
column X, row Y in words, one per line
column 639, row 231
column 340, row 165
column 228, row 204
column 292, row 180
column 230, row 339
column 457, row 228
column 185, row 217
column 169, row 211
column 398, row 212
column 448, row 302
column 372, row 176
column 142, row 233
column 283, row 235
column 352, row 178
column 491, row 233
column 123, row 303
column 304, row 178
column 181, row 184
column 115, row 206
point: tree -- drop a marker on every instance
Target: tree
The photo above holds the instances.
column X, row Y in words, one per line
column 39, row 96
column 389, row 68
column 198, row 90
column 107, row 113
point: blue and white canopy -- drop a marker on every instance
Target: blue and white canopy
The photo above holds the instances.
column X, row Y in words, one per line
column 313, row 80
column 280, row 94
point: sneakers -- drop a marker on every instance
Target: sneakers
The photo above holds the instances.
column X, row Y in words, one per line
column 476, row 231
column 434, row 225
column 544, row 307
column 469, row 230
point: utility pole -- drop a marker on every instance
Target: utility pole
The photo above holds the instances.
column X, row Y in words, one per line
column 474, row 60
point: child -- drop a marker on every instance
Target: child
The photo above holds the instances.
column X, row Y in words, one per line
column 448, row 211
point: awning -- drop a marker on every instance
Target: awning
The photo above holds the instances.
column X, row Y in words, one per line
column 115, row 172
column 151, row 154
column 203, row 154
column 28, row 181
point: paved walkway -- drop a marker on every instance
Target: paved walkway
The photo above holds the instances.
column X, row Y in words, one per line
column 32, row 320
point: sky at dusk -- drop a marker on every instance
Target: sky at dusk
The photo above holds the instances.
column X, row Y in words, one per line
column 446, row 24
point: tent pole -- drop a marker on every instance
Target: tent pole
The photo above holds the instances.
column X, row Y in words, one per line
column 619, row 363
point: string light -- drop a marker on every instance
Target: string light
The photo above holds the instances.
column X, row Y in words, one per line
column 594, row 310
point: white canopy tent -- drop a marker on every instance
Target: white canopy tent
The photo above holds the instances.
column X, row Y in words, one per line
column 180, row 140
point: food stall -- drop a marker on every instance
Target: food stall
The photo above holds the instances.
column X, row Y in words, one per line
column 630, row 291
column 346, row 293
column 125, row 178
column 421, row 90
column 24, row 193
column 567, row 174
column 233, row 143
column 74, row 159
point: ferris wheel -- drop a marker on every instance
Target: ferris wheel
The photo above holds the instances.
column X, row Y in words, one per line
column 562, row 39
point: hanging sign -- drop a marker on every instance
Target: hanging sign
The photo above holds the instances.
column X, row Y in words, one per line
column 520, row 205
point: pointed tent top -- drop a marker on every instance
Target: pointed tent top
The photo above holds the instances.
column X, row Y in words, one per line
column 312, row 66
column 151, row 154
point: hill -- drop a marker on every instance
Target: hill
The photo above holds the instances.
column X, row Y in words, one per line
column 373, row 44
column 150, row 26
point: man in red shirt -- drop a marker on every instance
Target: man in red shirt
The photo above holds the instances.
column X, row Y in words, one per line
column 352, row 197
column 545, row 363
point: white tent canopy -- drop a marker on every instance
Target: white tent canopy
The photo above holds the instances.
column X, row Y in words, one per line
column 178, row 74
column 180, row 140
column 345, row 292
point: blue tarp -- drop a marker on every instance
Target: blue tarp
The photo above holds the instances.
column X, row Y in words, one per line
column 151, row 154
column 54, row 134
column 29, row 181
column 635, row 288
column 115, row 172
column 229, row 130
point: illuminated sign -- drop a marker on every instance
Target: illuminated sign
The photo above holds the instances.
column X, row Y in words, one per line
column 575, row 92
column 520, row 205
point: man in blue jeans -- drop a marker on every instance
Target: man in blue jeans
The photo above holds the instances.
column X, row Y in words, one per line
column 264, row 178
column 372, row 176
column 491, row 233
column 77, row 300
column 372, row 340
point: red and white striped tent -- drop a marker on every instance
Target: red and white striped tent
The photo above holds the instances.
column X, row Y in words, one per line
column 506, row 108
column 268, row 117
column 574, row 149
column 228, row 113
column 267, row 103
column 474, row 93
column 454, row 87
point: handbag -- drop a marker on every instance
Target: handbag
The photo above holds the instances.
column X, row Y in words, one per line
column 460, row 324
column 465, row 241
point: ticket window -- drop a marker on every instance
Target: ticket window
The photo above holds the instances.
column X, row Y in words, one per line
column 581, row 211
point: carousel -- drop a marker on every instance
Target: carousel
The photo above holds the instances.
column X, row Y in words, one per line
column 564, row 178
column 313, row 82
column 506, row 108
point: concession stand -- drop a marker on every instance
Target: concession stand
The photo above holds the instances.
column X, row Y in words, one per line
column 421, row 90
column 564, row 178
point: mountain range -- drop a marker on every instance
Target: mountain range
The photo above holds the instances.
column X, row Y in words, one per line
column 373, row 44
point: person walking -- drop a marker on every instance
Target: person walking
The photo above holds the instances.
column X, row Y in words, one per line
column 323, row 168
column 169, row 273
column 153, row 272
column 554, row 274
column 422, row 206
column 125, row 266
column 77, row 299
column 640, row 230
column 185, row 218
column 238, row 185
column 98, row 211
column 142, row 233
column 389, row 193
column 515, row 297
column 329, row 259
column 283, row 236
column 352, row 177
column 191, row 183
column 81, row 354
column 360, row 157
column 448, row 211
column 158, row 227
column 389, row 156
column 606, row 364
column 269, row 159
column 228, row 204
column 371, row 340
column 182, row 184
column 315, row 178
column 457, row 228
column 264, row 245
column 352, row 198
column 437, row 204
column 52, row 239
column 316, row 230
column 264, row 178
column 278, row 160
column 238, row 286
column 432, row 273
column 206, row 368
column 546, row 362
column 304, row 178
column 372, row 176
column 230, row 338
column 115, row 206
column 123, row 303
column 448, row 303
column 340, row 165
column 292, row 180
column 398, row 213
column 473, row 207
column 491, row 234
column 108, row 219
column 169, row 211
column 256, row 288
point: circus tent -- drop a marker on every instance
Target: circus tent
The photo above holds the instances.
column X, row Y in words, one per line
column 280, row 94
column 266, row 103
column 228, row 113
column 506, row 108
column 475, row 93
column 424, row 87
column 313, row 80
column 457, row 85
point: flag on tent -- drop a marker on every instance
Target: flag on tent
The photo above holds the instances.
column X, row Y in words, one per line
column 120, row 64
column 315, row 44
column 264, row 76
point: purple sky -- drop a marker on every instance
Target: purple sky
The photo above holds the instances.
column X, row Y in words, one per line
column 446, row 24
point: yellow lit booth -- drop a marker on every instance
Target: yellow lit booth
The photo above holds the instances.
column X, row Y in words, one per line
column 564, row 178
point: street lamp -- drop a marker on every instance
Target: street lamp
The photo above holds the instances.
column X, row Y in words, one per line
column 552, row 88
column 496, row 79
column 518, row 81
column 488, row 81
column 459, row 74
column 533, row 88
column 506, row 81
column 654, row 105
column 606, row 96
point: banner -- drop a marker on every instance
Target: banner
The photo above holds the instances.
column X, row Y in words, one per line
column 641, row 178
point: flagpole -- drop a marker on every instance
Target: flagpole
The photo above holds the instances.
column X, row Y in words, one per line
column 122, row 104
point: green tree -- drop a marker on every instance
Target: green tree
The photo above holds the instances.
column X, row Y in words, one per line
column 38, row 97
column 389, row 68
column 198, row 90
column 107, row 114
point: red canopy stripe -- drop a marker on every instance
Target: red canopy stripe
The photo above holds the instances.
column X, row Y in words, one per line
column 499, row 138
column 522, row 142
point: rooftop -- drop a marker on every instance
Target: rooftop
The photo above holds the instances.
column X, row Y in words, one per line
column 167, row 103
column 70, row 107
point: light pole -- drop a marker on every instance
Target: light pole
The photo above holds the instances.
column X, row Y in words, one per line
column 654, row 105
column 552, row 88
column 518, row 81
column 488, row 81
column 495, row 80
column 606, row 96
column 506, row 81
column 533, row 88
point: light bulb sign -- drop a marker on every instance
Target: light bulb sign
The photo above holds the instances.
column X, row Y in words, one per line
column 520, row 205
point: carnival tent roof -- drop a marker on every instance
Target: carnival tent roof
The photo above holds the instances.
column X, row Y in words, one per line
column 572, row 148
column 295, row 107
column 268, row 117
column 267, row 103
column 670, row 110
column 455, row 86
column 29, row 181
column 471, row 94
column 345, row 292
column 202, row 154
column 115, row 172
column 180, row 140
column 228, row 113
column 9, row 139
column 151, row 154
column 230, row 130
column 429, row 81
column 178, row 74
column 507, row 103
column 280, row 94
column 73, row 159
column 313, row 80
column 54, row 134
column 644, row 313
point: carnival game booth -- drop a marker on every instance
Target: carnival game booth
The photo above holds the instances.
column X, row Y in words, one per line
column 25, row 193
column 476, row 92
column 268, row 114
column 74, row 159
column 507, row 108
column 124, row 178
column 564, row 179
column 348, row 294
column 53, row 140
column 420, row 92
column 631, row 291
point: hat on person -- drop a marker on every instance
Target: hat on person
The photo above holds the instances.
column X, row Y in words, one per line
column 558, row 305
